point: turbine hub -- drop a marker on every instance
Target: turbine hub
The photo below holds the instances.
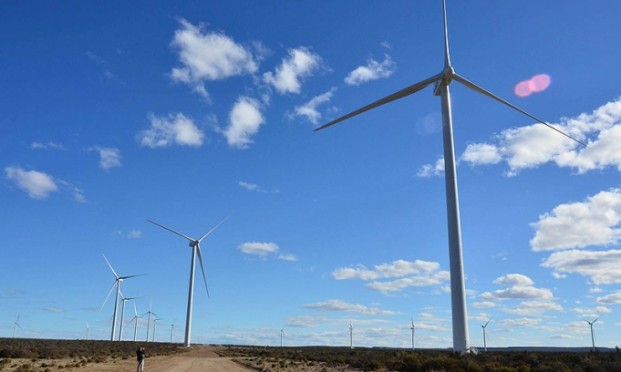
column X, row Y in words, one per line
column 193, row 243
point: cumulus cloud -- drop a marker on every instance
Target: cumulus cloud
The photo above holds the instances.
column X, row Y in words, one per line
column 430, row 170
column 248, row 186
column 46, row 146
column 596, row 221
column 109, row 157
column 514, row 280
column 534, row 301
column 373, row 70
column 171, row 130
column 37, row 184
column 611, row 299
column 591, row 312
column 245, row 119
column 338, row 305
column 208, row 56
column 534, row 145
column 409, row 274
column 259, row 249
column 309, row 109
column 600, row 267
column 300, row 63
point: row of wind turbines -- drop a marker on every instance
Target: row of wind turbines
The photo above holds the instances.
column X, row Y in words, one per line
column 118, row 280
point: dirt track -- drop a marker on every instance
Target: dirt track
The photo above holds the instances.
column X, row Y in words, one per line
column 199, row 359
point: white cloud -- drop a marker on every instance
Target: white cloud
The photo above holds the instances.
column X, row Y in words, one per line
column 259, row 249
column 109, row 157
column 612, row 299
column 429, row 170
column 134, row 234
column 167, row 131
column 301, row 63
column 338, row 305
column 592, row 312
column 410, row 274
column 46, row 146
column 601, row 267
column 248, row 186
column 309, row 109
column 245, row 119
column 521, row 287
column 483, row 305
column 522, row 322
column 287, row 257
column 37, row 184
column 535, row 307
column 597, row 221
column 208, row 56
column 534, row 145
column 514, row 280
column 373, row 70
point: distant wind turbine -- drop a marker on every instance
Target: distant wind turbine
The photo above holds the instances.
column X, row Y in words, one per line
column 88, row 331
column 124, row 300
column 135, row 320
column 16, row 325
column 149, row 320
column 484, row 327
column 351, row 336
column 117, row 282
column 172, row 329
column 442, row 81
column 196, row 251
column 592, row 336
column 413, row 333
column 282, row 332
column 154, row 327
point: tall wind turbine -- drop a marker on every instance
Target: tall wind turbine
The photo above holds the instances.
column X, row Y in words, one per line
column 154, row 327
column 117, row 282
column 592, row 337
column 442, row 81
column 484, row 327
column 351, row 336
column 282, row 332
column 135, row 320
column 413, row 333
column 16, row 325
column 124, row 300
column 196, row 251
column 149, row 320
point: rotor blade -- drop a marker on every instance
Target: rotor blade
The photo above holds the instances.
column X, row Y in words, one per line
column 487, row 323
column 212, row 229
column 395, row 96
column 478, row 89
column 200, row 259
column 108, row 296
column 135, row 310
column 172, row 231
column 130, row 276
column 110, row 266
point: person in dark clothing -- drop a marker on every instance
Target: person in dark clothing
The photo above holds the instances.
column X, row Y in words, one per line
column 140, row 356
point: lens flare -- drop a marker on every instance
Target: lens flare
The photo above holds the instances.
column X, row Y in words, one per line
column 536, row 84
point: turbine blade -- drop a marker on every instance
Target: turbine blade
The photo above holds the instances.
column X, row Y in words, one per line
column 487, row 93
column 212, row 229
column 110, row 266
column 135, row 310
column 200, row 259
column 130, row 276
column 395, row 96
column 108, row 296
column 172, row 231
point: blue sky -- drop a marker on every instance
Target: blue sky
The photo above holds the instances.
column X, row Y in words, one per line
column 184, row 113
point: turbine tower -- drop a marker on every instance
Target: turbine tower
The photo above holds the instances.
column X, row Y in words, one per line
column 196, row 251
column 154, row 327
column 172, row 329
column 351, row 336
column 124, row 300
column 149, row 320
column 413, row 333
column 442, row 81
column 16, row 325
column 117, row 282
column 282, row 332
column 592, row 337
column 135, row 320
column 484, row 327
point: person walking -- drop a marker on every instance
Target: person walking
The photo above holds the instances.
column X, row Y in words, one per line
column 140, row 356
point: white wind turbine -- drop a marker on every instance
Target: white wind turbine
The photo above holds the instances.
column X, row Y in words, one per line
column 16, row 325
column 149, row 320
column 117, row 282
column 282, row 332
column 154, row 327
column 413, row 333
column 172, row 329
column 592, row 336
column 135, row 320
column 196, row 251
column 88, row 331
column 442, row 81
column 124, row 300
column 484, row 327
column 351, row 336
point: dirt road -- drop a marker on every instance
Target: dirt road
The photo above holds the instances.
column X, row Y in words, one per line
column 199, row 359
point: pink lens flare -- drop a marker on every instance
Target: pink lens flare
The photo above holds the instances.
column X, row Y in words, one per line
column 536, row 84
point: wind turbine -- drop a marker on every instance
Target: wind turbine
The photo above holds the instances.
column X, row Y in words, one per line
column 196, row 251
column 351, row 336
column 413, row 333
column 135, row 320
column 16, row 325
column 484, row 327
column 592, row 337
column 124, row 300
column 149, row 320
column 117, row 282
column 154, row 327
column 282, row 332
column 442, row 81
column 172, row 329
column 88, row 331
